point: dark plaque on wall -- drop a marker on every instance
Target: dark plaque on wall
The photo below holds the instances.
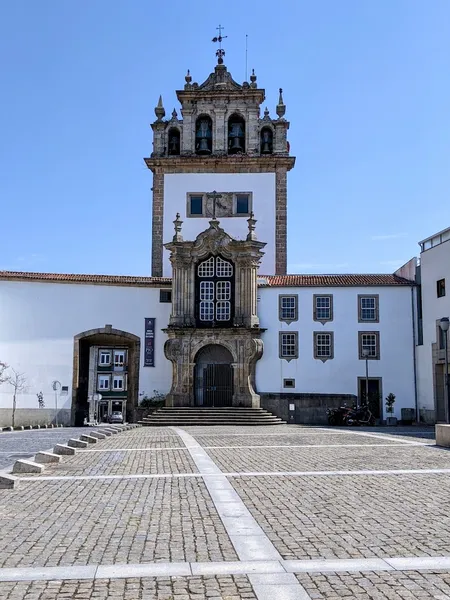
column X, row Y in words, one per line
column 149, row 345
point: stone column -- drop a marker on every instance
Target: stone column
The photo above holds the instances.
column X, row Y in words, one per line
column 188, row 137
column 220, row 140
column 281, row 221
column 157, row 223
column 252, row 140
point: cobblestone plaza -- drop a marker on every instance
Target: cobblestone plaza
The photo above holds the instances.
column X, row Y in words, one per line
column 228, row 513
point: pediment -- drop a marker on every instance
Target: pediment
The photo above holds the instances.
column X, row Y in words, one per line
column 213, row 240
column 220, row 80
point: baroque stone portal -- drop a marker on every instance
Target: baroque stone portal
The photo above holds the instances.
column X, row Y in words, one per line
column 193, row 327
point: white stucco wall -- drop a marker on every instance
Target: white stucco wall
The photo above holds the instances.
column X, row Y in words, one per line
column 38, row 322
column 261, row 184
column 434, row 265
column 340, row 375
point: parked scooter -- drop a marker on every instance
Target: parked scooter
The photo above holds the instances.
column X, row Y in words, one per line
column 346, row 415
column 360, row 416
column 338, row 416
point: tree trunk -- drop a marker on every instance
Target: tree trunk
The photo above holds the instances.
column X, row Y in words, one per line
column 14, row 410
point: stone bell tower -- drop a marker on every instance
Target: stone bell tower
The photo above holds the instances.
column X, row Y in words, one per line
column 222, row 144
column 214, row 338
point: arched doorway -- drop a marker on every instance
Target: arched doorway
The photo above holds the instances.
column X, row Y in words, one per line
column 213, row 376
column 123, row 352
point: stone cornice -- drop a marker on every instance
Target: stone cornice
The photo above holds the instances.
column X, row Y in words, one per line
column 220, row 164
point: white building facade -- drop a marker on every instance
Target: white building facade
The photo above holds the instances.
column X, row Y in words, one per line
column 219, row 311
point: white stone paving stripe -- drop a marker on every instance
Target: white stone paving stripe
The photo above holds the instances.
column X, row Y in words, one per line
column 383, row 436
column 250, row 545
column 207, row 476
column 274, row 573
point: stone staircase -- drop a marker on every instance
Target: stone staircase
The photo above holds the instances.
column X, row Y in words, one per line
column 202, row 416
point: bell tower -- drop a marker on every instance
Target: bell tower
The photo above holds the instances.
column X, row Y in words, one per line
column 221, row 159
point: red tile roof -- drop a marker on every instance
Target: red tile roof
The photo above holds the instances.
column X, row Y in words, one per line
column 330, row 280
column 263, row 280
column 96, row 279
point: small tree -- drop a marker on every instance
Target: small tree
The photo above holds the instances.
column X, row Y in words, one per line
column 390, row 403
column 18, row 382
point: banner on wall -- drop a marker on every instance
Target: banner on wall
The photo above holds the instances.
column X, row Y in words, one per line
column 149, row 344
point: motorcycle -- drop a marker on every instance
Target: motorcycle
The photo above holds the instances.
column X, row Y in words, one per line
column 345, row 415
column 361, row 415
column 338, row 416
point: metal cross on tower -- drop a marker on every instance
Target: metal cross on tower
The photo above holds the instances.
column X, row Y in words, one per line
column 220, row 52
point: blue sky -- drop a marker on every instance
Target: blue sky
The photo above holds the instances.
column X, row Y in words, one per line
column 367, row 89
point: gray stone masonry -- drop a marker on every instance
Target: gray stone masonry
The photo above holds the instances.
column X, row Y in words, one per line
column 77, row 444
column 27, row 466
column 63, row 449
column 88, row 438
column 47, row 457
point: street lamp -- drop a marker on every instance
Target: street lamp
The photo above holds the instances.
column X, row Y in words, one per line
column 365, row 352
column 443, row 324
column 56, row 385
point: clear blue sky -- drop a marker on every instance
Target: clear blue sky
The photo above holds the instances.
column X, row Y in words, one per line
column 367, row 89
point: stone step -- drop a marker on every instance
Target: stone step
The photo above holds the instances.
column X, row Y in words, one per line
column 205, row 423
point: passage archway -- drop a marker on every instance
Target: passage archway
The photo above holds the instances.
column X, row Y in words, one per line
column 90, row 371
column 213, row 376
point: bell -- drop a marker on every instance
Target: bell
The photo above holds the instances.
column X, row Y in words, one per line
column 203, row 147
column 265, row 149
column 236, row 146
column 174, row 145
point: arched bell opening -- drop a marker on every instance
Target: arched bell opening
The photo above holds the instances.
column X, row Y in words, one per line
column 236, row 134
column 266, row 137
column 203, row 135
column 213, row 376
column 173, row 141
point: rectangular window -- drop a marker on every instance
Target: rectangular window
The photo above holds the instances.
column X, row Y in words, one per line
column 103, row 382
column 369, row 341
column 118, row 383
column 196, row 205
column 323, row 345
column 165, row 295
column 288, row 309
column 104, row 358
column 442, row 336
column 206, row 311
column 242, row 204
column 119, row 358
column 323, row 307
column 223, row 310
column 440, row 285
column 289, row 383
column 223, row 290
column 368, row 308
column 289, row 345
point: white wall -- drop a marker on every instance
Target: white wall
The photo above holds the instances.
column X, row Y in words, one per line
column 261, row 184
column 434, row 265
column 340, row 375
column 38, row 322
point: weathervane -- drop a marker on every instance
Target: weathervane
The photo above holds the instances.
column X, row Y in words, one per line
column 220, row 52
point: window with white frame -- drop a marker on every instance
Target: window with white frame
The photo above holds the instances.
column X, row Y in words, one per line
column 288, row 309
column 118, row 383
column 323, row 345
column 104, row 358
column 323, row 307
column 369, row 341
column 214, row 290
column 103, row 382
column 368, row 308
column 119, row 358
column 288, row 345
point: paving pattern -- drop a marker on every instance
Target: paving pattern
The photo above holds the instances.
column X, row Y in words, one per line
column 170, row 510
column 221, row 587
